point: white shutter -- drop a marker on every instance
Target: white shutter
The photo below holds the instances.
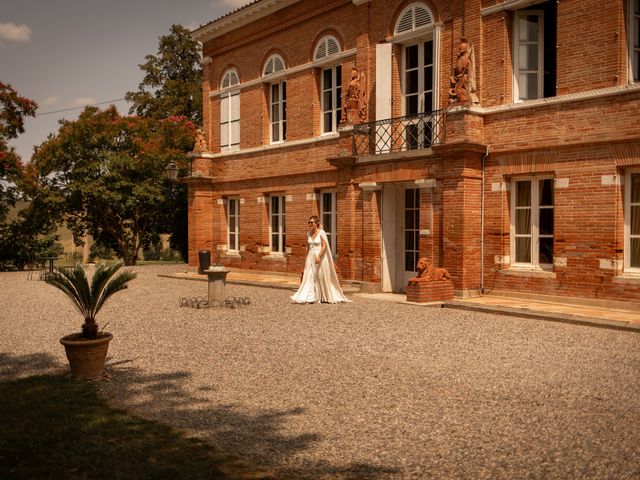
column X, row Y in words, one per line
column 235, row 106
column 224, row 108
column 332, row 46
column 422, row 16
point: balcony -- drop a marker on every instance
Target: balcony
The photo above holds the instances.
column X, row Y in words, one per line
column 399, row 134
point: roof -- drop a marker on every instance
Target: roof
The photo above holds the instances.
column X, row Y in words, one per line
column 252, row 11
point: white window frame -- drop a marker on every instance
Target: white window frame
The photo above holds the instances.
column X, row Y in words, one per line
column 627, row 221
column 233, row 234
column 516, row 54
column 230, row 112
column 336, row 96
column 535, row 222
column 279, row 215
column 420, row 43
column 634, row 36
column 332, row 214
column 279, row 105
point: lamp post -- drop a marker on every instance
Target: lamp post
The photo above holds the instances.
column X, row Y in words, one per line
column 172, row 171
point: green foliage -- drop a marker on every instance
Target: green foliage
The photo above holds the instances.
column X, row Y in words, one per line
column 87, row 297
column 172, row 84
column 98, row 251
column 13, row 109
column 106, row 173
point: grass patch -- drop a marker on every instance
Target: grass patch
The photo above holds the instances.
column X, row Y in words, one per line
column 55, row 428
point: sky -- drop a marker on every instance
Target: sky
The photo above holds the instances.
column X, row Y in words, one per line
column 66, row 54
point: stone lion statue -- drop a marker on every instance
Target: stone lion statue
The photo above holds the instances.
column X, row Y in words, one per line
column 428, row 273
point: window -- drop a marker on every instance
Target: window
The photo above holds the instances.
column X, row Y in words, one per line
column 634, row 39
column 331, row 99
column 632, row 221
column 412, row 18
column 277, row 225
column 411, row 228
column 278, row 112
column 233, row 224
column 326, row 47
column 419, row 98
column 532, row 221
column 534, row 52
column 230, row 112
column 274, row 66
column 328, row 217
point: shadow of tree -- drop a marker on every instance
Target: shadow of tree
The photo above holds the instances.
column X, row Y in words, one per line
column 258, row 436
column 13, row 366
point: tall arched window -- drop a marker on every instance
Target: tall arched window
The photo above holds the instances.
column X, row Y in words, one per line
column 330, row 84
column 230, row 111
column 277, row 98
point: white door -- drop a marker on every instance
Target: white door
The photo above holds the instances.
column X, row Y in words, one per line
column 400, row 235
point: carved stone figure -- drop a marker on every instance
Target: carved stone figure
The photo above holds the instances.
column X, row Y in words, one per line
column 463, row 80
column 201, row 143
column 428, row 273
column 355, row 100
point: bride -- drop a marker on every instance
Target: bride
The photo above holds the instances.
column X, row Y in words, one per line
column 319, row 280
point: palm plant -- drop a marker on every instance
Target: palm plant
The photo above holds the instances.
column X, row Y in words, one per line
column 90, row 297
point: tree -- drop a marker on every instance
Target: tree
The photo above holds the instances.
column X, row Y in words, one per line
column 172, row 84
column 107, row 175
column 13, row 110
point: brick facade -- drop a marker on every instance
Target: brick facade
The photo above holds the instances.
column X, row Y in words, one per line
column 582, row 132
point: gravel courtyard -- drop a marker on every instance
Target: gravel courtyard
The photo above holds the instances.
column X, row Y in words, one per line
column 366, row 390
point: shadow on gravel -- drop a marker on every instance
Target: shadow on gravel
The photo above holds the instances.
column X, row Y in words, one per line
column 255, row 436
column 13, row 366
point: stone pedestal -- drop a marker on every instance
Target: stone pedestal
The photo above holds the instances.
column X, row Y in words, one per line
column 217, row 279
column 435, row 291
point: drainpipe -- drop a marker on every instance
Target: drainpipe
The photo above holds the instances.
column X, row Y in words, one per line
column 484, row 160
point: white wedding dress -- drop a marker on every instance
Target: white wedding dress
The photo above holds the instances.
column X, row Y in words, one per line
column 319, row 280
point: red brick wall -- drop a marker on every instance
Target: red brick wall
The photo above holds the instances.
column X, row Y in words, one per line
column 570, row 138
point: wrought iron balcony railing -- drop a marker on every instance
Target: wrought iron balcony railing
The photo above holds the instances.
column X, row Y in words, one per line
column 399, row 134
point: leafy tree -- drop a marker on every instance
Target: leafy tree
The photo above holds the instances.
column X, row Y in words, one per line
column 13, row 110
column 172, row 84
column 107, row 174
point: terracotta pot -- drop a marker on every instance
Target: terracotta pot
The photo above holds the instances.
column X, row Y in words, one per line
column 86, row 357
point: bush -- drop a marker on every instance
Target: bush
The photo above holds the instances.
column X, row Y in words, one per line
column 97, row 251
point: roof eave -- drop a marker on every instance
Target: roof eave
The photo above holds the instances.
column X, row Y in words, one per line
column 239, row 19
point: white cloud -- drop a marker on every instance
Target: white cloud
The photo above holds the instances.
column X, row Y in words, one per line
column 50, row 101
column 10, row 32
column 82, row 101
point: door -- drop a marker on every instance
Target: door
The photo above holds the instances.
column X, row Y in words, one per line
column 400, row 235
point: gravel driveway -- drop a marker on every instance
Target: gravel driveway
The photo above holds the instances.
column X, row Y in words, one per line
column 367, row 390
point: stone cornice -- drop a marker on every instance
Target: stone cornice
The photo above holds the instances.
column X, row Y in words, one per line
column 239, row 18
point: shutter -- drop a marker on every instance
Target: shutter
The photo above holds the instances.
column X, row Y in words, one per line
column 422, row 16
column 225, row 80
column 321, row 51
column 269, row 67
column 406, row 22
column 332, row 46
column 224, row 109
column 235, row 106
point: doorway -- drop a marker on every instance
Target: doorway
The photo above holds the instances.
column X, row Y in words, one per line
column 400, row 235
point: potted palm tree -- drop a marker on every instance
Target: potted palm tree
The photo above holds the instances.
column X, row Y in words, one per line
column 87, row 350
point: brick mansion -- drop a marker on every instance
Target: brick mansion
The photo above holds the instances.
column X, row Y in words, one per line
column 498, row 138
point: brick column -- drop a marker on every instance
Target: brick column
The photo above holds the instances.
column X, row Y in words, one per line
column 200, row 198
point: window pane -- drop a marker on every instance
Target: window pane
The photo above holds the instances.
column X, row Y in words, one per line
column 523, row 194
column 326, row 202
column 545, row 255
column 409, row 263
column 409, row 194
column 232, row 223
column 523, row 221
column 532, row 86
column 635, row 220
column 411, row 105
column 635, row 253
column 326, row 77
column 275, row 132
column 412, row 82
column 428, row 78
column 275, row 244
column 409, row 241
column 523, row 249
column 409, row 218
column 326, row 223
column 529, row 28
column 275, row 113
column 546, row 192
column 327, row 122
column 275, row 93
column 428, row 102
column 339, row 76
column 546, row 221
column 428, row 53
column 232, row 240
column 635, row 188
column 327, row 101
column 411, row 56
